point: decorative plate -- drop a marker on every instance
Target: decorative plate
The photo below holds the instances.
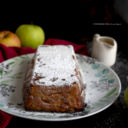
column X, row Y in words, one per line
column 102, row 89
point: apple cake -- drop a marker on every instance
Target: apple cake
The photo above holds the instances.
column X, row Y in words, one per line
column 53, row 81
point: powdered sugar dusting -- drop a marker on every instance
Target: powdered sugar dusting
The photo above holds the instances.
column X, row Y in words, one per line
column 54, row 65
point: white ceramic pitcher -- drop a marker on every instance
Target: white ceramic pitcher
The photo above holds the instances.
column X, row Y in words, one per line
column 104, row 49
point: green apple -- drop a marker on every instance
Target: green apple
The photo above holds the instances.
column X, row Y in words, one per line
column 30, row 35
column 126, row 97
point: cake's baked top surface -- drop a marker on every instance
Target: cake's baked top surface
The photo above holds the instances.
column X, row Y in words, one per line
column 54, row 65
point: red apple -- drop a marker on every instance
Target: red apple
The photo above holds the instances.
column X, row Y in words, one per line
column 9, row 39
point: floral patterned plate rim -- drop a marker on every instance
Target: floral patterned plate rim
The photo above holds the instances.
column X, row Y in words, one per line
column 103, row 87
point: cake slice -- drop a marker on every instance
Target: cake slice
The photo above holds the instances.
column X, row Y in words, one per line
column 53, row 81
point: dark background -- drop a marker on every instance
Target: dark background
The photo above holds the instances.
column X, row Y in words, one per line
column 70, row 20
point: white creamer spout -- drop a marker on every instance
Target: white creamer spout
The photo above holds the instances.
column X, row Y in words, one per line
column 96, row 36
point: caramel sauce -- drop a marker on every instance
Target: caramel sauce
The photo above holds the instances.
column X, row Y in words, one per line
column 107, row 41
